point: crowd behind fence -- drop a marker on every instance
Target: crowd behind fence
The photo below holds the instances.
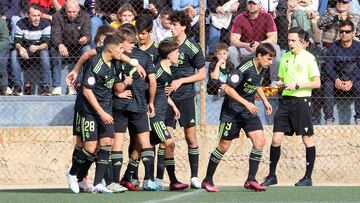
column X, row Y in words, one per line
column 41, row 43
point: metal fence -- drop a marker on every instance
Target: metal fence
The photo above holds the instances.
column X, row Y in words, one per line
column 213, row 23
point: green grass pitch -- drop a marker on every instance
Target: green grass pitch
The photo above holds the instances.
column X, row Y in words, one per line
column 227, row 194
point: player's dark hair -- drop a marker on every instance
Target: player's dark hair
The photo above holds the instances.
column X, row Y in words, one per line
column 301, row 33
column 221, row 46
column 183, row 18
column 347, row 23
column 144, row 23
column 166, row 47
column 104, row 30
column 265, row 49
column 113, row 40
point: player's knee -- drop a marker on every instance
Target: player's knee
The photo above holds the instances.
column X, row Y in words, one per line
column 259, row 144
column 170, row 144
column 224, row 146
column 91, row 148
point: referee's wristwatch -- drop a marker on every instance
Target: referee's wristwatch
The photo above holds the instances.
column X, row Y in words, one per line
column 297, row 86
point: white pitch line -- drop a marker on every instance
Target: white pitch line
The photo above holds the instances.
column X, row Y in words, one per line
column 175, row 197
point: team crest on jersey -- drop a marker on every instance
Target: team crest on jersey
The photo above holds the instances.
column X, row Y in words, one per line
column 235, row 78
column 91, row 80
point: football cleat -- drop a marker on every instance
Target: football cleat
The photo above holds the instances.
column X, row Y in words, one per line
column 210, row 187
column 195, row 183
column 129, row 185
column 269, row 180
column 178, row 186
column 254, row 185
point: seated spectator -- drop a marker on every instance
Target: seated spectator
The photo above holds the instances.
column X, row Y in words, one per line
column 249, row 29
column 70, row 36
column 150, row 8
column 298, row 16
column 32, row 35
column 4, row 54
column 219, row 69
column 329, row 22
column 102, row 12
column 161, row 26
column 125, row 14
column 49, row 7
column 221, row 15
column 342, row 71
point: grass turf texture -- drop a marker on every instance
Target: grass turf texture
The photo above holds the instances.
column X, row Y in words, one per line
column 227, row 194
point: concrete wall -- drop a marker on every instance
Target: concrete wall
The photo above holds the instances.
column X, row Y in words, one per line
column 41, row 156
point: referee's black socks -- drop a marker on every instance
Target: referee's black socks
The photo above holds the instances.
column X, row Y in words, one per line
column 254, row 160
column 102, row 162
column 274, row 159
column 214, row 160
column 310, row 160
column 193, row 154
column 147, row 156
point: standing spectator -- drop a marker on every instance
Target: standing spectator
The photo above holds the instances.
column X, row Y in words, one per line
column 249, row 29
column 4, row 54
column 342, row 71
column 70, row 36
column 48, row 6
column 32, row 35
column 300, row 73
column 125, row 14
column 329, row 22
column 221, row 15
column 161, row 26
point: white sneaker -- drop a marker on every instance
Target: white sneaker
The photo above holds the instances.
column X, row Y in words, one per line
column 100, row 188
column 159, row 183
column 56, row 91
column 195, row 183
column 73, row 183
column 116, row 187
column 84, row 186
column 8, row 91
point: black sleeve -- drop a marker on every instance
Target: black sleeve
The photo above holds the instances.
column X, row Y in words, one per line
column 89, row 78
column 235, row 78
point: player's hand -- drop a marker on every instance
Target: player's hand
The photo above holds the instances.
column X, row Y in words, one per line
column 71, row 77
column 128, row 80
column 175, row 84
column 106, row 118
column 151, row 110
column 252, row 108
column 23, row 53
column 33, row 48
column 141, row 71
column 125, row 94
column 176, row 112
column 347, row 85
column 268, row 108
column 63, row 50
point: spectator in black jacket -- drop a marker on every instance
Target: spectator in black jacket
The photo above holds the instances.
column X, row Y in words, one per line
column 70, row 37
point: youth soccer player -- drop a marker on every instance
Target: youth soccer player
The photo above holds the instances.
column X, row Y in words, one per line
column 96, row 112
column 239, row 112
column 299, row 72
column 189, row 69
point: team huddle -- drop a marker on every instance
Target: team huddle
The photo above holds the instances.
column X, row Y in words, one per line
column 131, row 82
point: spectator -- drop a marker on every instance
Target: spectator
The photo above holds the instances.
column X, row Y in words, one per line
column 32, row 35
column 281, row 22
column 219, row 69
column 125, row 14
column 221, row 15
column 251, row 28
column 329, row 22
column 10, row 13
column 70, row 36
column 161, row 26
column 102, row 12
column 49, row 7
column 150, row 7
column 4, row 54
column 342, row 71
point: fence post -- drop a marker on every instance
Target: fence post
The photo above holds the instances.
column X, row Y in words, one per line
column 203, row 47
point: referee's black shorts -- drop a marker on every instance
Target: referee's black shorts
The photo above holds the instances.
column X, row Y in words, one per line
column 294, row 115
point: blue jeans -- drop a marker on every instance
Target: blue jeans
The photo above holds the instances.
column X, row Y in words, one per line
column 95, row 23
column 42, row 56
column 214, row 37
column 57, row 61
column 4, row 54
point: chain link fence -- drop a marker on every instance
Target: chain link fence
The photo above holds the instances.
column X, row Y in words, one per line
column 35, row 61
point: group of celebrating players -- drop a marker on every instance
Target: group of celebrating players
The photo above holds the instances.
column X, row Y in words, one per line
column 130, row 82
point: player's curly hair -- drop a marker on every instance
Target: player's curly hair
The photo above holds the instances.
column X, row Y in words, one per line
column 183, row 18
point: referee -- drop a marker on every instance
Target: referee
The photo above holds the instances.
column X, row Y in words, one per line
column 299, row 72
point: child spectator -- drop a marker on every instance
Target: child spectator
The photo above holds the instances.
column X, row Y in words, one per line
column 125, row 14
